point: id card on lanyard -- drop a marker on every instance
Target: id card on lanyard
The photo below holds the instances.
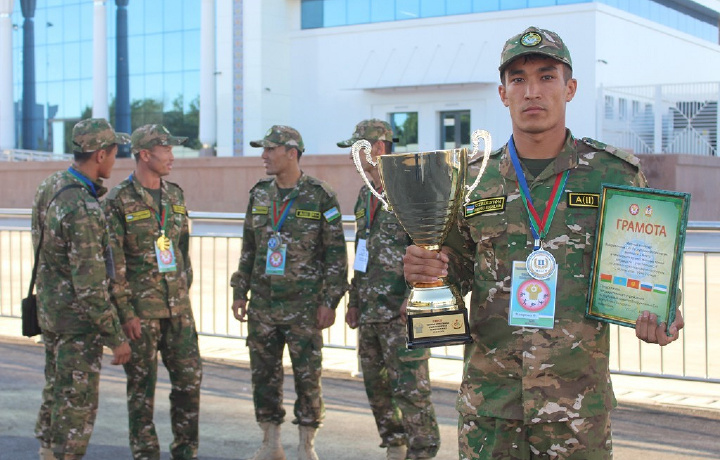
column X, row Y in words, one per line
column 277, row 251
column 362, row 255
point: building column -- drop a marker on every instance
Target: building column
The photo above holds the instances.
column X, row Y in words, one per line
column 122, row 80
column 7, row 111
column 29, row 134
column 208, row 107
column 100, row 73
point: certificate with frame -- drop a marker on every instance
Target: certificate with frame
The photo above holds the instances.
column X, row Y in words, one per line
column 637, row 255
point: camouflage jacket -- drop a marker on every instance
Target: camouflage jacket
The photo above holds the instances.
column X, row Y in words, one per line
column 316, row 259
column 139, row 288
column 381, row 289
column 72, row 282
column 535, row 375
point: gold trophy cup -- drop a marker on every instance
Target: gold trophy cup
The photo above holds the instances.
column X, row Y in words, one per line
column 425, row 190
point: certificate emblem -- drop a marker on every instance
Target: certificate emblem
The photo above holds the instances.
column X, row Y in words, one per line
column 540, row 264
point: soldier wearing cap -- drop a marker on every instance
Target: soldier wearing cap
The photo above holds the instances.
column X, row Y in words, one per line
column 294, row 264
column 528, row 391
column 74, row 308
column 397, row 380
column 150, row 238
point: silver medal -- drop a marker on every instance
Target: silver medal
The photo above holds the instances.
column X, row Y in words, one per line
column 540, row 264
column 274, row 242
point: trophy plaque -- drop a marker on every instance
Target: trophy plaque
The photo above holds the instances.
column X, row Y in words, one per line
column 425, row 190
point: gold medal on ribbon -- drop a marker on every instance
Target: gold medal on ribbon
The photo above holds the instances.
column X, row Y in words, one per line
column 163, row 242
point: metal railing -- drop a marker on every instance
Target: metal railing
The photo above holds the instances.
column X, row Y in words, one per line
column 215, row 250
column 32, row 155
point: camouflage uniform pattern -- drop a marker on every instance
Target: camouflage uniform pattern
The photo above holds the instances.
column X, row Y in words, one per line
column 148, row 136
column 546, row 376
column 315, row 275
column 372, row 130
column 74, row 309
column 94, row 134
column 279, row 135
column 534, row 41
column 161, row 301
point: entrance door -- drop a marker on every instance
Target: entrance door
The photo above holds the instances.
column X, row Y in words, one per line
column 455, row 129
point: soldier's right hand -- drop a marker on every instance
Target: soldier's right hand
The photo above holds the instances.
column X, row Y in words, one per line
column 121, row 354
column 132, row 329
column 352, row 316
column 239, row 308
column 424, row 266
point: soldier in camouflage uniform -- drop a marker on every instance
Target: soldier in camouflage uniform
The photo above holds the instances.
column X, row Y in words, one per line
column 397, row 380
column 529, row 392
column 294, row 263
column 150, row 237
column 74, row 308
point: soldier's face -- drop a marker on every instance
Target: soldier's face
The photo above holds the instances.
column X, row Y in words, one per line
column 536, row 93
column 276, row 159
column 107, row 162
column 160, row 159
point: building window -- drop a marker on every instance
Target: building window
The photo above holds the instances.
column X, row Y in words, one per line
column 609, row 107
column 455, row 129
column 405, row 129
column 622, row 108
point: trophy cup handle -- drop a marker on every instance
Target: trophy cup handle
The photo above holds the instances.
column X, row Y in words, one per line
column 356, row 148
column 476, row 136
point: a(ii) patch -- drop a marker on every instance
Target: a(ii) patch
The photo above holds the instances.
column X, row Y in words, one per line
column 583, row 200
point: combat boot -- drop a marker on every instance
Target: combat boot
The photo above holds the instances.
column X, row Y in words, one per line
column 271, row 449
column 46, row 453
column 396, row 452
column 306, row 448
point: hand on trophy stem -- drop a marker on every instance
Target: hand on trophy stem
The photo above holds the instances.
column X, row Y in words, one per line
column 424, row 266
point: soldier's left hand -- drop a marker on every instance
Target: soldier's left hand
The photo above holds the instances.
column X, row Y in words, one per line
column 403, row 311
column 325, row 317
column 647, row 329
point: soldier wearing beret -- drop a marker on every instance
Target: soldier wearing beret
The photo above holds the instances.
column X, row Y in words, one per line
column 74, row 308
column 150, row 238
column 294, row 265
column 530, row 392
column 397, row 380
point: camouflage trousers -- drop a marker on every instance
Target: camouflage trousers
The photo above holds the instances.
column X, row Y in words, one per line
column 70, row 396
column 397, row 384
column 491, row 438
column 176, row 340
column 266, row 343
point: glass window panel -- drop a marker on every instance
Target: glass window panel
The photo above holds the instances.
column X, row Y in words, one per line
column 407, row 9
column 358, row 12
column 311, row 14
column 153, row 59
column 405, row 128
column 512, row 4
column 172, row 89
column 137, row 87
column 136, row 51
column 136, row 17
column 53, row 64
column 172, row 17
column 68, row 24
column 153, row 88
column 381, row 11
column 191, row 50
column 191, row 88
column 172, row 52
column 191, row 13
column 334, row 13
column 153, row 17
column 86, row 17
column 432, row 8
column 486, row 5
column 70, row 103
column 86, row 59
column 539, row 3
column 459, row 6
column 71, row 61
column 41, row 64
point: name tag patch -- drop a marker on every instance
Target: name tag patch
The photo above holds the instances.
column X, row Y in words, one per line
column 360, row 214
column 583, row 200
column 260, row 210
column 177, row 209
column 140, row 215
column 485, row 206
column 306, row 214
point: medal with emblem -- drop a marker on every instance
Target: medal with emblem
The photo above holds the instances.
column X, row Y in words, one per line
column 274, row 241
column 163, row 242
column 540, row 264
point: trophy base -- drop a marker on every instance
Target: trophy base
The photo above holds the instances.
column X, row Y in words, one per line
column 438, row 329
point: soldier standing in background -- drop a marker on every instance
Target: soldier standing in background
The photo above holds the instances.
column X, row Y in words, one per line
column 150, row 239
column 74, row 308
column 529, row 392
column 397, row 380
column 294, row 263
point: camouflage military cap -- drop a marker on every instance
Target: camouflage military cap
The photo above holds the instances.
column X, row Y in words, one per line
column 281, row 135
column 148, row 136
column 534, row 41
column 371, row 130
column 94, row 134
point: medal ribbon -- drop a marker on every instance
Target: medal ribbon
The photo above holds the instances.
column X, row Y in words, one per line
column 539, row 227
column 371, row 209
column 84, row 180
column 280, row 215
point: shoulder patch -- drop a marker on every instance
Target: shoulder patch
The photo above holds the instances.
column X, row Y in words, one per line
column 177, row 209
column 261, row 182
column 261, row 210
column 325, row 186
column 480, row 156
column 622, row 154
column 583, row 200
column 360, row 214
column 139, row 215
column 332, row 214
column 173, row 184
column 485, row 206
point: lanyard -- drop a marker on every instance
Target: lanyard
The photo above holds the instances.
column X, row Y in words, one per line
column 279, row 215
column 371, row 209
column 539, row 227
column 159, row 216
column 84, row 180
